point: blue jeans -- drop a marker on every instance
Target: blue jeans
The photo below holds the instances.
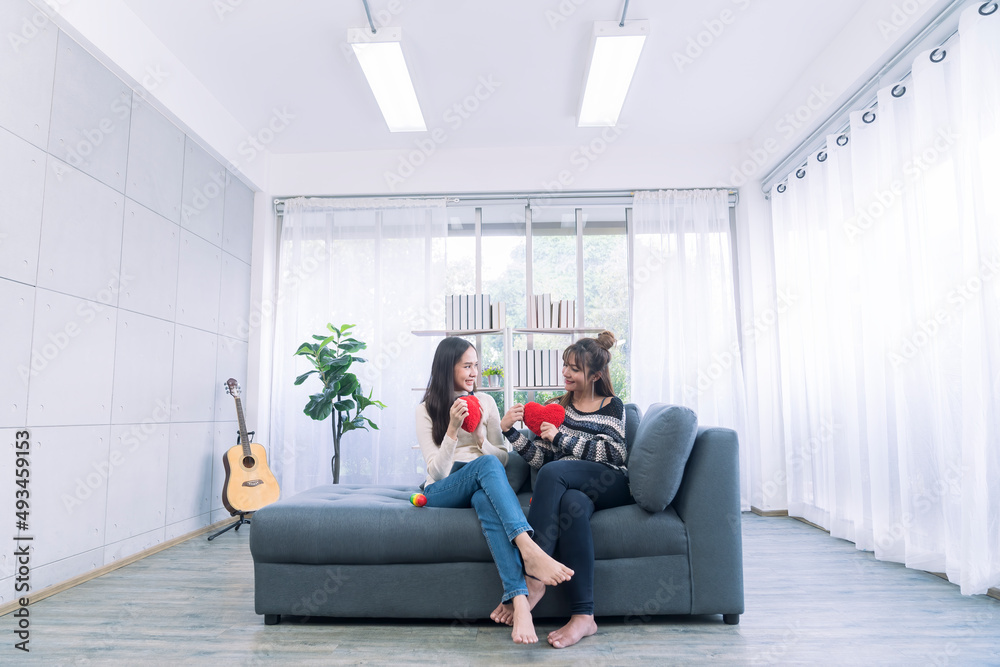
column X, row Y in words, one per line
column 565, row 497
column 483, row 484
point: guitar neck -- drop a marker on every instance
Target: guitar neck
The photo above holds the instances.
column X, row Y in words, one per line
column 244, row 438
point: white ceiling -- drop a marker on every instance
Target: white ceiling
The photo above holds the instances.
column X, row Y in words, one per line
column 262, row 56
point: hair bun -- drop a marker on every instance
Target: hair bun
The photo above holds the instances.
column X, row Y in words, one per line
column 606, row 339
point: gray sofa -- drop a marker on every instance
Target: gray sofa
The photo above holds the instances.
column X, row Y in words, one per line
column 353, row 550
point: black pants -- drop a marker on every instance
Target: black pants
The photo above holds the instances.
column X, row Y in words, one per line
column 565, row 496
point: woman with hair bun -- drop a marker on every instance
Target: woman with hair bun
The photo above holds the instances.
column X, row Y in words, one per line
column 581, row 468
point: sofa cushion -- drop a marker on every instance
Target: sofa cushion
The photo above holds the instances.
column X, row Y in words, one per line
column 364, row 524
column 633, row 417
column 517, row 470
column 361, row 524
column 656, row 461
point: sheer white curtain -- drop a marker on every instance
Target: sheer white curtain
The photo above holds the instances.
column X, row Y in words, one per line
column 685, row 346
column 891, row 359
column 378, row 264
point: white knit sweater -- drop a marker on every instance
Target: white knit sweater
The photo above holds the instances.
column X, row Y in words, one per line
column 439, row 457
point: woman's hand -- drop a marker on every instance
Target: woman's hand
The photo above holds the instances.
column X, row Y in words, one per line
column 547, row 431
column 459, row 411
column 515, row 414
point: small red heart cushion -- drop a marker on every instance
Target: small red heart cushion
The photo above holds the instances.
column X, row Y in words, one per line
column 475, row 413
column 535, row 414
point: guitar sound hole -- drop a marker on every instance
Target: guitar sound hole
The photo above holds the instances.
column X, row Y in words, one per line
column 249, row 462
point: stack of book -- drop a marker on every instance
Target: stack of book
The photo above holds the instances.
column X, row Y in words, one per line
column 537, row 368
column 473, row 312
column 548, row 314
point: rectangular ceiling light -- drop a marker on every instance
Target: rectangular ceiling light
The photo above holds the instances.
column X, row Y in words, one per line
column 615, row 54
column 381, row 58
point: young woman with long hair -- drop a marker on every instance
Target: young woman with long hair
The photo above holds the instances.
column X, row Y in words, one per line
column 581, row 468
column 467, row 470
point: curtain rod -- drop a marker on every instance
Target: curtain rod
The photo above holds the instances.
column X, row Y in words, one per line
column 499, row 197
column 865, row 96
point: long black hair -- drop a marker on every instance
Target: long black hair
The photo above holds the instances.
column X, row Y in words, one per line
column 441, row 386
column 592, row 355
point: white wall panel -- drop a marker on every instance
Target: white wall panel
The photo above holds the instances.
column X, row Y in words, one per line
column 232, row 364
column 22, row 183
column 8, row 564
column 198, row 278
column 192, row 393
column 91, row 108
column 26, row 70
column 81, row 237
column 185, row 527
column 204, row 194
column 225, row 437
column 150, row 247
column 155, row 161
column 137, row 486
column 73, row 566
column 144, row 356
column 238, row 231
column 189, row 472
column 234, row 299
column 69, row 488
column 133, row 545
column 17, row 305
column 76, row 340
column 7, row 593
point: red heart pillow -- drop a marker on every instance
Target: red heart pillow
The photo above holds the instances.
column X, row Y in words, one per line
column 535, row 414
column 475, row 413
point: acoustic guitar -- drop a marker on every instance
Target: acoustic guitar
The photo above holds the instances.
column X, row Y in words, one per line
column 250, row 484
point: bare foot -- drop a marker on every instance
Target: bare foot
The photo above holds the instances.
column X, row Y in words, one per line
column 536, row 590
column 524, row 627
column 504, row 613
column 579, row 626
column 539, row 564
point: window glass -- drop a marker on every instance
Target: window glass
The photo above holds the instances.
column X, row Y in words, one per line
column 503, row 269
column 503, row 275
column 605, row 284
column 461, row 274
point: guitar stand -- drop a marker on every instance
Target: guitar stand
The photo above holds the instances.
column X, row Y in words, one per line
column 243, row 515
column 235, row 524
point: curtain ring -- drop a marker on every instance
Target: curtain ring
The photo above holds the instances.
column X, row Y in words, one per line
column 868, row 117
column 801, row 173
column 940, row 58
column 821, row 156
column 781, row 188
column 982, row 8
column 845, row 139
column 898, row 90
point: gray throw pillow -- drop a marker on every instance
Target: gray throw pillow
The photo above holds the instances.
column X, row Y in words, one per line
column 656, row 462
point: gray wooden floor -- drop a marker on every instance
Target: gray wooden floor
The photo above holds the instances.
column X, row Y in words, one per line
column 810, row 598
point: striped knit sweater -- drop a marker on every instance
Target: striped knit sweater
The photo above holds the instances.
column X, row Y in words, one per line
column 584, row 436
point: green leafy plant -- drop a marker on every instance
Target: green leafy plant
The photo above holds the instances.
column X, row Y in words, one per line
column 332, row 357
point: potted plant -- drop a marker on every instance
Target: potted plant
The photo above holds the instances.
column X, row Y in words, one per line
column 332, row 357
column 493, row 376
